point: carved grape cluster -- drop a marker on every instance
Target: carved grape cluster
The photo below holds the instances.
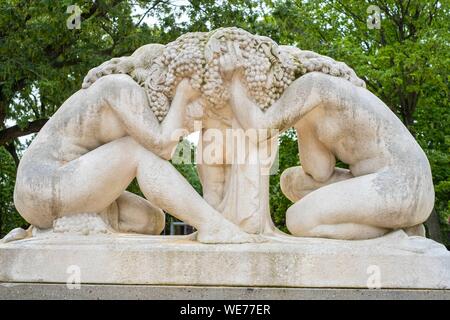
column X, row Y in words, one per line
column 182, row 58
column 267, row 81
column 197, row 56
column 334, row 68
column 268, row 68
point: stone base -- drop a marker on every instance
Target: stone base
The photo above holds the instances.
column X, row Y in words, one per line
column 39, row 291
column 393, row 261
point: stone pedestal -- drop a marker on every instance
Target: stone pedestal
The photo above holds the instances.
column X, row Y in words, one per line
column 393, row 261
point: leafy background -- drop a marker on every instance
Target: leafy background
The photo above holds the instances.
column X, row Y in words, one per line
column 405, row 63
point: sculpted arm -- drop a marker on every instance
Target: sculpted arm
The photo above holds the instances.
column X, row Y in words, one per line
column 300, row 97
column 132, row 108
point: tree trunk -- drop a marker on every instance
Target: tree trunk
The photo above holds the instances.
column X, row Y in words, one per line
column 11, row 133
column 11, row 148
column 433, row 227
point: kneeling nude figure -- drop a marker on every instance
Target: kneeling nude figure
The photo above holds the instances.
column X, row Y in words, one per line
column 98, row 141
column 388, row 185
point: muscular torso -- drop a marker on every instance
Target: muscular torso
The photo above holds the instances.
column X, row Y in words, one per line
column 357, row 136
column 79, row 126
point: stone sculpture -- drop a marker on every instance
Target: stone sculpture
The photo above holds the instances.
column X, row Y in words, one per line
column 132, row 111
column 388, row 185
column 126, row 122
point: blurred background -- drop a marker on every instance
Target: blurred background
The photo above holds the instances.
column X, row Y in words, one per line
column 399, row 47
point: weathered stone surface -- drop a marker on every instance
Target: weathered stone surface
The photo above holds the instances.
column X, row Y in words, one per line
column 124, row 124
column 396, row 260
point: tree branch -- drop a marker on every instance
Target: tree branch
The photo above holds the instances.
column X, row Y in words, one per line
column 8, row 134
column 157, row 3
column 12, row 151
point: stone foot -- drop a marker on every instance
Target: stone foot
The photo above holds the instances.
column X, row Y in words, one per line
column 417, row 230
column 16, row 234
column 228, row 233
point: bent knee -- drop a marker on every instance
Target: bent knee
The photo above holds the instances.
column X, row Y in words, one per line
column 155, row 222
column 409, row 218
column 152, row 223
column 138, row 215
column 288, row 183
column 34, row 206
column 401, row 211
column 300, row 222
column 37, row 215
column 160, row 224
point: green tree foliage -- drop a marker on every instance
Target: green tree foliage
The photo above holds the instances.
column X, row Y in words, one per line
column 287, row 157
column 405, row 62
column 8, row 216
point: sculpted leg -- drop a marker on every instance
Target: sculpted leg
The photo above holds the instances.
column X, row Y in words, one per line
column 296, row 183
column 93, row 181
column 87, row 184
column 357, row 208
column 91, row 184
column 166, row 188
column 131, row 213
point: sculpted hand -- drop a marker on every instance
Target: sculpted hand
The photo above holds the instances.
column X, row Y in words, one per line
column 185, row 89
column 195, row 109
column 113, row 66
column 231, row 61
